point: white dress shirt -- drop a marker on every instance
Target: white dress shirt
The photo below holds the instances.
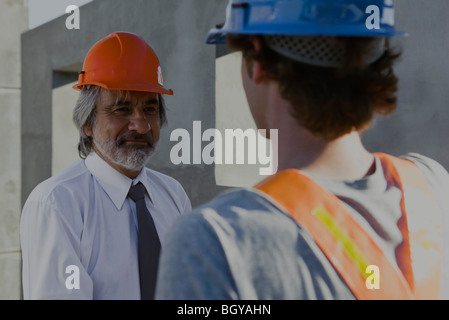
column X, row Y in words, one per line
column 78, row 231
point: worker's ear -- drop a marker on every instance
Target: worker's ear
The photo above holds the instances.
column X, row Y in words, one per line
column 257, row 73
column 88, row 131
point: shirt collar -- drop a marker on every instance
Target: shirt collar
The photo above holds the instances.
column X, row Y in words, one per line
column 375, row 182
column 114, row 183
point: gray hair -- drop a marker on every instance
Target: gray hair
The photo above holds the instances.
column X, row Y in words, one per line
column 85, row 112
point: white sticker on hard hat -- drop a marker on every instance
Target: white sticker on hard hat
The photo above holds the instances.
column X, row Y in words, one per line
column 160, row 79
column 388, row 16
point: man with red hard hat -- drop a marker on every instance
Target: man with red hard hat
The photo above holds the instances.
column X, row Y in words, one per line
column 95, row 230
column 336, row 221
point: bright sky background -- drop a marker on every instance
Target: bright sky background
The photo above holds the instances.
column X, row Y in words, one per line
column 42, row 11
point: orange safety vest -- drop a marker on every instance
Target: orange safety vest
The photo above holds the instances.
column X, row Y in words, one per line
column 348, row 246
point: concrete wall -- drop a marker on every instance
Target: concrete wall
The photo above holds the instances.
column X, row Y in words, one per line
column 65, row 136
column 14, row 20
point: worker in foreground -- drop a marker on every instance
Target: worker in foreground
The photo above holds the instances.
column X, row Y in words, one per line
column 95, row 230
column 336, row 221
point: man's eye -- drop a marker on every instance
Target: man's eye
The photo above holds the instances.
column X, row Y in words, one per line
column 121, row 110
column 151, row 110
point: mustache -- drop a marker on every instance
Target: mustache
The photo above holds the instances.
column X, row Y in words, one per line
column 121, row 140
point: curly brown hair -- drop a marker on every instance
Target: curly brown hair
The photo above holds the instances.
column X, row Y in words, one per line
column 330, row 102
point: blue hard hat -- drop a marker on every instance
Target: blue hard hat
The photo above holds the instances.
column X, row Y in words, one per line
column 359, row 18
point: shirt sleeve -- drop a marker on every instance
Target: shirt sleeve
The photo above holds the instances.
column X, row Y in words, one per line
column 50, row 251
column 438, row 179
column 196, row 269
column 187, row 205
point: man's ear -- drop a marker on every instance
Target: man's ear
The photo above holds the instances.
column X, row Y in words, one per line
column 257, row 72
column 88, row 131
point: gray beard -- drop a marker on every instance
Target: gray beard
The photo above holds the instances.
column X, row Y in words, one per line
column 130, row 158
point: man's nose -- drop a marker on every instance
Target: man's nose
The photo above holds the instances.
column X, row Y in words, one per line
column 138, row 122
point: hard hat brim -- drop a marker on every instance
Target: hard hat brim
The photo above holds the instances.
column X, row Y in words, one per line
column 218, row 36
column 127, row 87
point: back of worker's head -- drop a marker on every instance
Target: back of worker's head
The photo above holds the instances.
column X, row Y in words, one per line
column 331, row 58
column 329, row 101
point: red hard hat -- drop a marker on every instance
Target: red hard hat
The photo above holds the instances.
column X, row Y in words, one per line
column 122, row 61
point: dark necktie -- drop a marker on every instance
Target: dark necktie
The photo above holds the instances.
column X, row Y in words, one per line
column 149, row 244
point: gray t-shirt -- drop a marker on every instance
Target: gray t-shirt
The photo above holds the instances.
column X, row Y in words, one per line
column 242, row 246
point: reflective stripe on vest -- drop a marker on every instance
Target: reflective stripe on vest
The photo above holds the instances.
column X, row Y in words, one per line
column 348, row 246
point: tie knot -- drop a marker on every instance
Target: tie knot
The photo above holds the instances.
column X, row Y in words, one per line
column 137, row 192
